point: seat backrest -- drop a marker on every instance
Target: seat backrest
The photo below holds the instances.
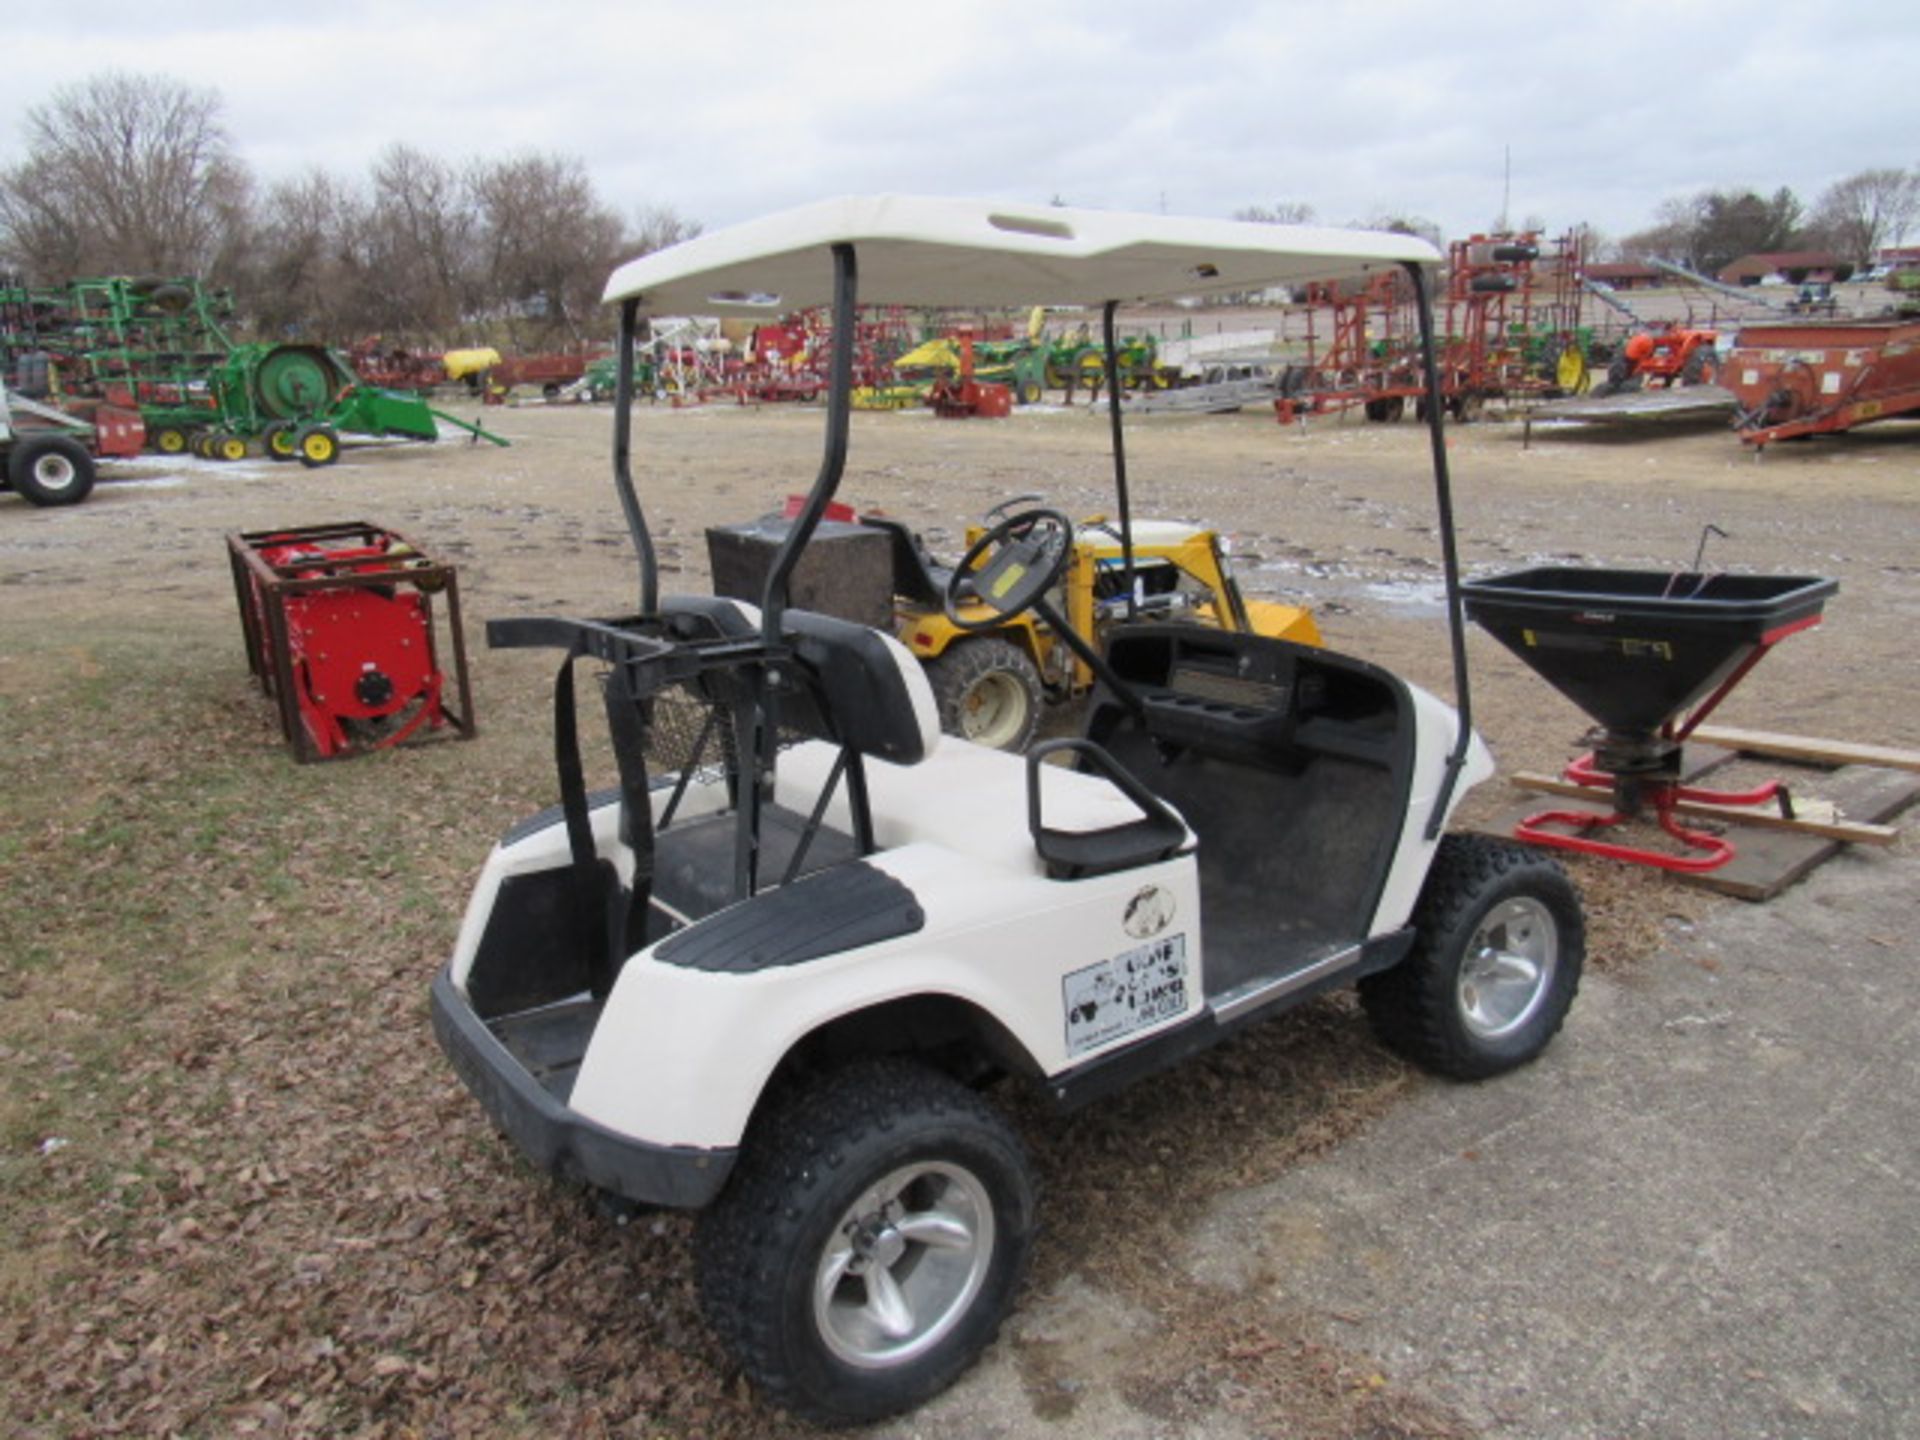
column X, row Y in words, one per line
column 871, row 694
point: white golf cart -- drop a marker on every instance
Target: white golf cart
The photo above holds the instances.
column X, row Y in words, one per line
column 769, row 974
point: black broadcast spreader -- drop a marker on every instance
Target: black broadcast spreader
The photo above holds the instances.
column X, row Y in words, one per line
column 1638, row 650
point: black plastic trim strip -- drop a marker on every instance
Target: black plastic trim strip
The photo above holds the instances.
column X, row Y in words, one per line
column 825, row 914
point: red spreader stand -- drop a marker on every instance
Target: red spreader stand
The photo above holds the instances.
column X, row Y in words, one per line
column 1649, row 654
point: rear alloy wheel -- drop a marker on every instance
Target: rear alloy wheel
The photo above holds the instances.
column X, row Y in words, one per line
column 316, row 445
column 1499, row 944
column 988, row 692
column 51, row 470
column 869, row 1242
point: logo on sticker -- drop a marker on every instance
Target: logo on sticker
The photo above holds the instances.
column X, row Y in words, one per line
column 1148, row 913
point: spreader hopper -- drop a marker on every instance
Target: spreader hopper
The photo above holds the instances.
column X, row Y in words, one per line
column 1648, row 654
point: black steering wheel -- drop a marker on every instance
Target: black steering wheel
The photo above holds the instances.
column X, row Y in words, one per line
column 1030, row 550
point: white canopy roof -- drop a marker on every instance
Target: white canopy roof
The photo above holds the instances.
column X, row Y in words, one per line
column 916, row 250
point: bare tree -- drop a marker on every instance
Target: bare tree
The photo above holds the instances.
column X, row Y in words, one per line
column 1714, row 228
column 548, row 241
column 308, row 259
column 1858, row 215
column 422, row 227
column 1398, row 224
column 655, row 227
column 126, row 174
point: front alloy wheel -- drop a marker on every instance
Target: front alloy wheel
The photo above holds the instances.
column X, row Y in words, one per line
column 1509, row 967
column 1499, row 941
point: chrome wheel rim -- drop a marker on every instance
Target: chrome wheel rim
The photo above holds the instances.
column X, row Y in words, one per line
column 1509, row 967
column 903, row 1265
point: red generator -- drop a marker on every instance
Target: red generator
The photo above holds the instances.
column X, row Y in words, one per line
column 339, row 623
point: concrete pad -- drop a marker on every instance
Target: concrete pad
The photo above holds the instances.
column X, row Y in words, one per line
column 1698, row 1216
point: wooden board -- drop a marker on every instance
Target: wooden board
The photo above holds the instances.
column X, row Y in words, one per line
column 1768, row 861
column 1807, row 750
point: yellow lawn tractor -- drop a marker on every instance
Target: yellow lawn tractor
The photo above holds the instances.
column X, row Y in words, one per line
column 991, row 676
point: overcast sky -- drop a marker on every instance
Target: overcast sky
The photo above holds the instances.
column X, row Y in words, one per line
column 723, row 111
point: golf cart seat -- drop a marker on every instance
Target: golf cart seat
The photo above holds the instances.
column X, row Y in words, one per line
column 855, row 695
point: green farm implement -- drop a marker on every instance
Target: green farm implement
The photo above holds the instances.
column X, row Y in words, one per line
column 161, row 345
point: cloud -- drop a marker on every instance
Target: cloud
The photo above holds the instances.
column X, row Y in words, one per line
column 1358, row 110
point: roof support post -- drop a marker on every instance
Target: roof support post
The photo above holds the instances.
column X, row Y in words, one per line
column 622, row 459
column 1449, row 553
column 1119, row 453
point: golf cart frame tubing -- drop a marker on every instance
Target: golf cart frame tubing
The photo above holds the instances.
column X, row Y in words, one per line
column 759, row 751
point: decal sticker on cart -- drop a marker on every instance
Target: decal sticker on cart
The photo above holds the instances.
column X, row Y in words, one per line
column 1148, row 913
column 1132, row 991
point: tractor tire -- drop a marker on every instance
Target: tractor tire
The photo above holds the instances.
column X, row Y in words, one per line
column 231, row 446
column 1621, row 376
column 51, row 470
column 1570, row 373
column 1499, row 943
column 869, row 1242
column 277, row 441
column 988, row 691
column 316, row 445
column 171, row 299
column 1694, row 370
column 169, row 440
column 1029, row 392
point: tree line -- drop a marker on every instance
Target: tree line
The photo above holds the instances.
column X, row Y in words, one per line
column 137, row 175
column 1853, row 218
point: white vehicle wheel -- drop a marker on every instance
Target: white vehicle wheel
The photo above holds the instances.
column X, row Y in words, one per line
column 988, row 692
column 51, row 470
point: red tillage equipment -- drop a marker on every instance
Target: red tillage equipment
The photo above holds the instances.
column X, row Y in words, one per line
column 1810, row 378
column 339, row 623
column 1635, row 649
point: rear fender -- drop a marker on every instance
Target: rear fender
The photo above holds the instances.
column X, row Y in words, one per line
column 682, row 1056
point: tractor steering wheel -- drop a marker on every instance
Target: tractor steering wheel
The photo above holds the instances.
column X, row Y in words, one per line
column 1030, row 550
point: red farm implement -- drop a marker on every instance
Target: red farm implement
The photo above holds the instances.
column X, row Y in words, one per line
column 1813, row 378
column 339, row 623
column 1510, row 326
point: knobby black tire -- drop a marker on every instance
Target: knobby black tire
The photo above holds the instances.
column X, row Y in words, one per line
column 803, row 1163
column 1415, row 1007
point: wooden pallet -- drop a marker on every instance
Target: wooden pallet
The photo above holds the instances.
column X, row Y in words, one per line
column 1859, row 788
